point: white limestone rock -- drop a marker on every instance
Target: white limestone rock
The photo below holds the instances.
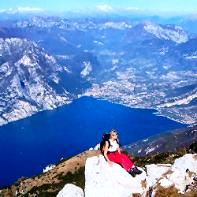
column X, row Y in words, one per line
column 71, row 190
column 154, row 172
column 48, row 168
column 182, row 172
column 103, row 180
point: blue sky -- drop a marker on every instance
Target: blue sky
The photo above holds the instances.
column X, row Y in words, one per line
column 156, row 6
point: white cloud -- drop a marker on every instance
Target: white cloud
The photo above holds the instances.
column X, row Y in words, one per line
column 29, row 9
column 104, row 8
column 23, row 10
column 132, row 9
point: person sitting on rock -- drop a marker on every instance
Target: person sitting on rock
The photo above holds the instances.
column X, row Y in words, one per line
column 112, row 153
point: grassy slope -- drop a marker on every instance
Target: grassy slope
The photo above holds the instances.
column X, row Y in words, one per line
column 72, row 171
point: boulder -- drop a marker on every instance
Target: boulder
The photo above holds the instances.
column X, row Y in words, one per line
column 181, row 173
column 107, row 181
column 71, row 190
column 155, row 171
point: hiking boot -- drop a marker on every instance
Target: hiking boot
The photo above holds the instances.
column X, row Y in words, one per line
column 131, row 172
column 136, row 170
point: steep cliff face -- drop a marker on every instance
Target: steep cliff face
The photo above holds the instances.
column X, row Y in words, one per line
column 30, row 80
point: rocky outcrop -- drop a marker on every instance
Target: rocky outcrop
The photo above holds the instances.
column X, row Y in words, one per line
column 181, row 173
column 106, row 181
column 103, row 180
column 71, row 191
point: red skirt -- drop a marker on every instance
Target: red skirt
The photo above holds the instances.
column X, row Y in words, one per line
column 121, row 159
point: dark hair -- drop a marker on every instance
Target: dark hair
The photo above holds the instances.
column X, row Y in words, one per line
column 113, row 131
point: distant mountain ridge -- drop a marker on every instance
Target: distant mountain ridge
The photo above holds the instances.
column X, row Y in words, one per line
column 164, row 142
column 137, row 64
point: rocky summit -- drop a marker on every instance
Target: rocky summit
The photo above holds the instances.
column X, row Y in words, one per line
column 103, row 180
column 172, row 174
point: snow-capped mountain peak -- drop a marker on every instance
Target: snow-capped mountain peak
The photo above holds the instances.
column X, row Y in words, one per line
column 174, row 34
column 27, row 80
column 87, row 69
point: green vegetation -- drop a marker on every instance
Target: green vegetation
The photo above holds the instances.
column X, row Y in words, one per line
column 77, row 178
column 50, row 190
column 163, row 158
column 43, row 191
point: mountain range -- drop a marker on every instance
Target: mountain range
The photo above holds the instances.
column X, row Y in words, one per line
column 46, row 62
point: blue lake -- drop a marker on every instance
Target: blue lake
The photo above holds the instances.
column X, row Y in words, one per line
column 29, row 145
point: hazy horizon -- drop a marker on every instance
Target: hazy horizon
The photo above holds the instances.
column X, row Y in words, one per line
column 88, row 7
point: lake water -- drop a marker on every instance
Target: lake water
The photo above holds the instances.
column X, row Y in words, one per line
column 28, row 145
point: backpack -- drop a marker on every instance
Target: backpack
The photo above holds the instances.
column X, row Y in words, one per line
column 105, row 138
